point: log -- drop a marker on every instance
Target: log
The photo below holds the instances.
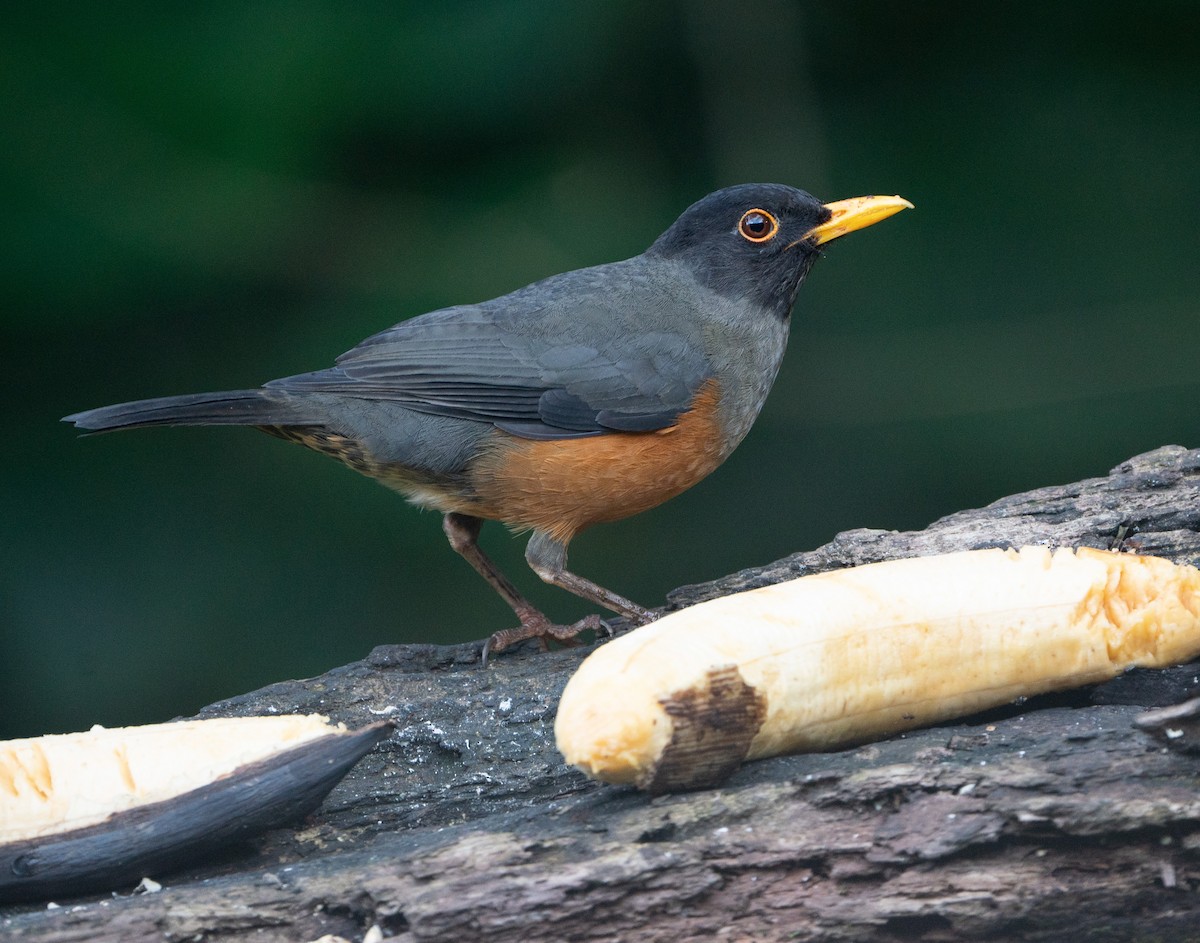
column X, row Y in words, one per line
column 1059, row 817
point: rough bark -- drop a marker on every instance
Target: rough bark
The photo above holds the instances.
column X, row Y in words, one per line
column 1056, row 818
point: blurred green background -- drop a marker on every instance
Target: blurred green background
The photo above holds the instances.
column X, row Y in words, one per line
column 207, row 196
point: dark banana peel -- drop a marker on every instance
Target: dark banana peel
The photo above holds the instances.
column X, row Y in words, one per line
column 158, row 837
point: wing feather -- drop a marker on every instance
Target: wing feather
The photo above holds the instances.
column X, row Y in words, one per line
column 536, row 371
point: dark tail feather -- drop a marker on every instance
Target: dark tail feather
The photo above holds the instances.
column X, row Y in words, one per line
column 235, row 408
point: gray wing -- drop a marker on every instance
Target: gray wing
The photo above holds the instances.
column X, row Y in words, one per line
column 539, row 372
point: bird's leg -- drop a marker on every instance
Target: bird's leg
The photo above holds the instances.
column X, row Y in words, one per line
column 548, row 559
column 462, row 531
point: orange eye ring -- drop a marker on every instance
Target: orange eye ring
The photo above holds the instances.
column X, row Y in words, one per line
column 757, row 225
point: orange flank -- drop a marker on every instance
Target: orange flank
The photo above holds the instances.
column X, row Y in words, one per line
column 561, row 486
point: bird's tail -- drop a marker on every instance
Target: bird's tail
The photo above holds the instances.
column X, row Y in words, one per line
column 233, row 408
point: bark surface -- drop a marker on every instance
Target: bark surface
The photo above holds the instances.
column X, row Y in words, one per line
column 1058, row 818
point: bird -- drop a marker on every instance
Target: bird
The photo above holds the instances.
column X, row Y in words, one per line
column 580, row 399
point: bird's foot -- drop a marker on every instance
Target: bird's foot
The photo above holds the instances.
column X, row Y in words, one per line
column 541, row 628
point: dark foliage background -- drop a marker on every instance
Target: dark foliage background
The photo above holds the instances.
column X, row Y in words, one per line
column 208, row 196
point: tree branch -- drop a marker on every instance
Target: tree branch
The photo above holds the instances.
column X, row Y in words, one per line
column 1050, row 819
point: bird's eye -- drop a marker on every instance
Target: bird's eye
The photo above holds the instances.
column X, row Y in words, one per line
column 758, row 226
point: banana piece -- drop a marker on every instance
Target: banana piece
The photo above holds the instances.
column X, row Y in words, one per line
column 95, row 810
column 61, row 782
column 837, row 658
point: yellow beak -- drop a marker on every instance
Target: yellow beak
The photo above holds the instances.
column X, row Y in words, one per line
column 856, row 213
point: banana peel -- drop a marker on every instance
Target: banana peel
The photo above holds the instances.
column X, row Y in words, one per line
column 90, row 811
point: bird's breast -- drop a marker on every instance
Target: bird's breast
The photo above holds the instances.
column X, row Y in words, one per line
column 561, row 486
column 746, row 353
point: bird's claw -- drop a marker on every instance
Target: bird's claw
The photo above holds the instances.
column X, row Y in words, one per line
column 542, row 629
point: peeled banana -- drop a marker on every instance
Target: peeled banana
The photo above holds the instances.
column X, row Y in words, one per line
column 851, row 655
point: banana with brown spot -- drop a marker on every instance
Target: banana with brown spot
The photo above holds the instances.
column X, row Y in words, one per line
column 847, row 656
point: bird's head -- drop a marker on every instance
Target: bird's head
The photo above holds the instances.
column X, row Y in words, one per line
column 757, row 240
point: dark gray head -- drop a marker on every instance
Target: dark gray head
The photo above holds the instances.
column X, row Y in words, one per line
column 752, row 241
